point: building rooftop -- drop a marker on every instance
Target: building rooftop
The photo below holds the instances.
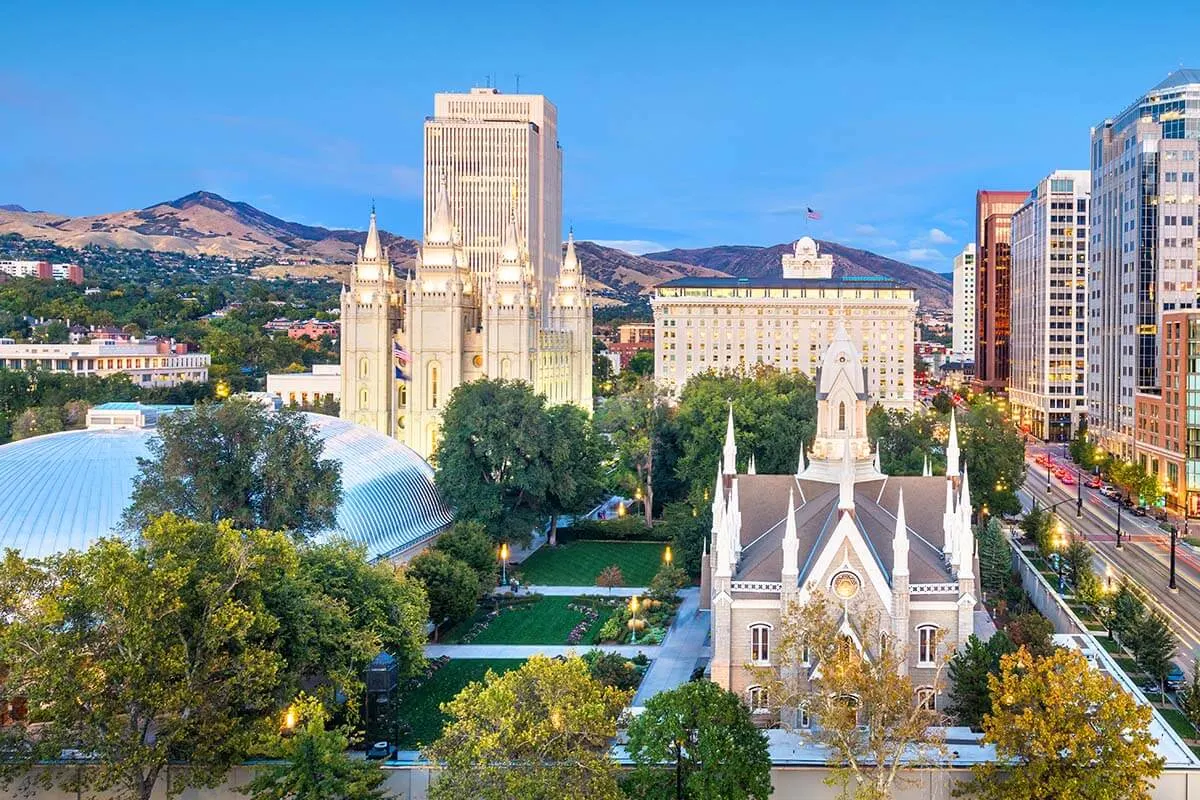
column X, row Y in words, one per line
column 1180, row 77
column 775, row 282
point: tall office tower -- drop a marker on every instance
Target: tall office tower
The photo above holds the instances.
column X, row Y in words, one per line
column 1143, row 248
column 993, row 223
column 963, row 342
column 493, row 148
column 1047, row 349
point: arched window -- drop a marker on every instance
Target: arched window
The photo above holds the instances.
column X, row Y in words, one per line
column 505, row 369
column 805, row 654
column 854, row 704
column 760, row 643
column 927, row 637
column 803, row 718
column 362, row 367
column 842, row 416
column 926, row 698
column 362, row 398
column 434, row 383
column 756, row 698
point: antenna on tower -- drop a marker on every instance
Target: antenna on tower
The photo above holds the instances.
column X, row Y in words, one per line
column 518, row 91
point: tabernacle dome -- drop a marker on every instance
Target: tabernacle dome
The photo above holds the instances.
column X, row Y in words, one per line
column 65, row 490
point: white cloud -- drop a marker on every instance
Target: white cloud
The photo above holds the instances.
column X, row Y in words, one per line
column 635, row 246
column 919, row 255
column 866, row 230
column 939, row 236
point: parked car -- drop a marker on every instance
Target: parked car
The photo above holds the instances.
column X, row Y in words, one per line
column 1041, row 459
column 1093, row 482
column 379, row 751
column 1067, row 478
column 1175, row 677
column 1107, row 491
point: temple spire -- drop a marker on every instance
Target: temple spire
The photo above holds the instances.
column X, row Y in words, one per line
column 372, row 251
column 441, row 227
column 570, row 260
column 801, row 466
column 729, row 464
column 952, row 447
column 752, row 469
column 949, row 524
column 966, row 537
column 878, row 464
column 791, row 543
column 900, row 540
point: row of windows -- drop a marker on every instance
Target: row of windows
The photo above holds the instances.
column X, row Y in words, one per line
column 759, row 701
column 760, row 632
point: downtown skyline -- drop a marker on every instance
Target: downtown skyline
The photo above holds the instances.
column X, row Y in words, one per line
column 677, row 130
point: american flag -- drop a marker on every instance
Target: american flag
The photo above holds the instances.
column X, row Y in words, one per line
column 814, row 214
column 399, row 353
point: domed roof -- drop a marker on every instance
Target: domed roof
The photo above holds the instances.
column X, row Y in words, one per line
column 65, row 490
column 805, row 244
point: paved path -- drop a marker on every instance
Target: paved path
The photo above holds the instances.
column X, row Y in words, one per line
column 527, row 650
column 680, row 651
column 575, row 591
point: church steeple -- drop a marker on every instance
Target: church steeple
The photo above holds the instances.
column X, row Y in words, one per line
column 900, row 540
column 791, row 544
column 846, row 481
column 729, row 453
column 441, row 227
column 952, row 447
column 372, row 250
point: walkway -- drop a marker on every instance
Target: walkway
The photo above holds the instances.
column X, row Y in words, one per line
column 527, row 650
column 680, row 651
column 575, row 591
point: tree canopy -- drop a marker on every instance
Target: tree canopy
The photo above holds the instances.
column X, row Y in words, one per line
column 241, row 462
column 540, row 732
column 697, row 742
column 451, row 585
column 1063, row 731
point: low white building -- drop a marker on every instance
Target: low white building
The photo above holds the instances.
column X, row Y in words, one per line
column 324, row 383
column 159, row 362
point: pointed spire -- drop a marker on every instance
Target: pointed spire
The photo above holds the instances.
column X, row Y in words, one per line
column 949, row 524
column 878, row 464
column 570, row 260
column 900, row 540
column 791, row 543
column 952, row 447
column 927, row 472
column 724, row 561
column 510, row 251
column 718, row 498
column 752, row 469
column 733, row 518
column 729, row 465
column 801, row 466
column 966, row 537
column 441, row 227
column 846, row 482
column 964, row 499
column 371, row 251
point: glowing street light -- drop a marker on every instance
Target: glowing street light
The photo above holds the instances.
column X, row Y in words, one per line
column 668, row 556
column 634, row 604
column 504, row 563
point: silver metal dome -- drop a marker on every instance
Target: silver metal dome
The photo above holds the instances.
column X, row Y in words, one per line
column 65, row 490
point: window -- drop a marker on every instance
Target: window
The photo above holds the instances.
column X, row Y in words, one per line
column 926, row 697
column 805, row 654
column 760, row 643
column 842, row 416
column 434, row 376
column 362, row 399
column 757, row 698
column 927, row 644
column 362, row 367
column 804, row 719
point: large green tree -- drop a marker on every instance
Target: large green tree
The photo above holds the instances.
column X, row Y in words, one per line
column 905, row 440
column 468, row 542
column 970, row 667
column 574, row 454
column 1063, row 731
column 540, row 732
column 995, row 558
column 241, row 462
column 995, row 456
column 451, row 585
column 141, row 655
column 635, row 421
column 1153, row 646
column 697, row 742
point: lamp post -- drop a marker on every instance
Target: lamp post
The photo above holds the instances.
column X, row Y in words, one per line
column 633, row 609
column 1058, row 552
column 1119, row 506
column 668, row 556
column 504, row 563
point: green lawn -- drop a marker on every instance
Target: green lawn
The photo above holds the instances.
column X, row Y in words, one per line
column 1176, row 719
column 419, row 707
column 548, row 621
column 1111, row 645
column 578, row 563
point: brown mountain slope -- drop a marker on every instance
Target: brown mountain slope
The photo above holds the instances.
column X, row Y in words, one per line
column 933, row 290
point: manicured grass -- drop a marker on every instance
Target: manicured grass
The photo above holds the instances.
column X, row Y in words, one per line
column 419, row 707
column 1111, row 645
column 548, row 621
column 579, row 563
column 1180, row 723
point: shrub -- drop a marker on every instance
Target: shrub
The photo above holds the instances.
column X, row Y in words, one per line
column 668, row 581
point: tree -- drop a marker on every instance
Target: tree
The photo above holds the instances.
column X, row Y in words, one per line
column 865, row 708
column 1189, row 695
column 1032, row 631
column 1063, row 731
column 1153, row 646
column 240, row 462
column 687, row 529
column 540, row 732
column 633, row 421
column 970, row 694
column 574, row 455
column 146, row 654
column 942, row 403
column 468, row 542
column 995, row 454
column 1077, row 557
column 667, row 582
column 613, row 669
column 37, row 421
column 451, row 585
column 642, row 363
column 491, row 464
column 312, row 763
column 995, row 558
column 1037, row 527
column 1126, row 615
column 700, row 740
column 610, row 577
column 903, row 439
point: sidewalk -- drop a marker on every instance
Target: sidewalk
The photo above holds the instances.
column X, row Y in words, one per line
column 527, row 650
column 575, row 591
column 680, row 651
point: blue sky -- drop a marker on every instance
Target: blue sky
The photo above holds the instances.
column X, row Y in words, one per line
column 683, row 124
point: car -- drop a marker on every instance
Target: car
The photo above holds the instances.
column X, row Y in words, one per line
column 1041, row 459
column 1067, row 478
column 379, row 751
column 1140, row 511
column 1159, row 514
column 1093, row 482
column 1126, row 501
column 1175, row 677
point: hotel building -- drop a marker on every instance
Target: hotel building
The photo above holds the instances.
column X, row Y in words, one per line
column 963, row 334
column 993, row 224
column 1047, row 346
column 147, row 363
column 730, row 324
column 1143, row 248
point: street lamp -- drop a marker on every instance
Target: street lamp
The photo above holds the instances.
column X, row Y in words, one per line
column 504, row 563
column 633, row 609
column 1058, row 552
column 668, row 556
column 1120, row 505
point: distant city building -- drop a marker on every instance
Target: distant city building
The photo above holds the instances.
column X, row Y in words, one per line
column 1143, row 248
column 43, row 270
column 159, row 362
column 1167, row 421
column 635, row 332
column 277, row 325
column 963, row 334
column 307, row 389
column 632, row 339
column 1047, row 347
column 313, row 328
column 724, row 324
column 993, row 261
column 896, row 549
column 499, row 154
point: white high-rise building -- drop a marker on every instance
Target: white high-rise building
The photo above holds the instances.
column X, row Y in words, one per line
column 498, row 151
column 1143, row 248
column 963, row 342
column 1047, row 350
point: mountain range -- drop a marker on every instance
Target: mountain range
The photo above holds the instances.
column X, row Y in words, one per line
column 203, row 223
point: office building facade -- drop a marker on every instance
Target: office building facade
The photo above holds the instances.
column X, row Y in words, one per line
column 148, row 364
column 963, row 333
column 993, row 286
column 1047, row 347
